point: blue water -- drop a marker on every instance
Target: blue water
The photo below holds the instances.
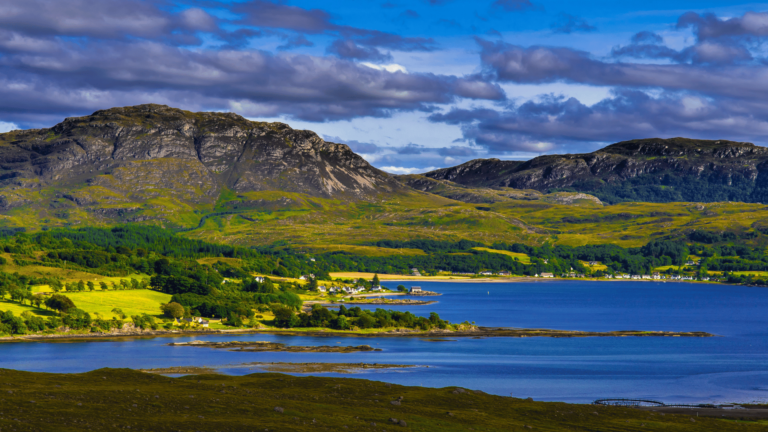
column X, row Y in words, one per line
column 730, row 368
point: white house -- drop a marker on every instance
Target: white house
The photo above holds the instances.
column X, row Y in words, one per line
column 547, row 275
column 415, row 290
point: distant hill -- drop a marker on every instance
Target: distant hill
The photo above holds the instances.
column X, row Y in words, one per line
column 154, row 162
column 646, row 170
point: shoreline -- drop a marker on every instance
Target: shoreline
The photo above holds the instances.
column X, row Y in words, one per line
column 476, row 333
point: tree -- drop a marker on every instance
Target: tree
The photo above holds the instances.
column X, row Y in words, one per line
column 91, row 286
column 115, row 285
column 81, row 286
column 56, row 285
column 60, row 303
column 119, row 313
column 38, row 299
column 103, row 286
column 401, row 288
column 134, row 284
column 124, row 283
column 375, row 281
column 312, row 285
column 342, row 323
column 284, row 316
column 172, row 310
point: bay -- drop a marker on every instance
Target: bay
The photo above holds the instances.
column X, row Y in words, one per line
column 732, row 367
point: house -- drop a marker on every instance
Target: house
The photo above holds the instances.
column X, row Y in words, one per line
column 547, row 275
column 635, row 277
column 546, row 261
column 645, row 276
column 415, row 290
column 656, row 275
column 302, row 277
column 415, row 272
column 624, row 276
column 321, row 289
column 593, row 263
column 376, row 288
column 332, row 290
column 571, row 274
column 504, row 273
column 486, row 273
column 259, row 279
column 204, row 323
column 608, row 276
column 312, row 259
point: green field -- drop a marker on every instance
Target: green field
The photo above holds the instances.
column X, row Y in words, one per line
column 523, row 258
column 122, row 399
column 132, row 302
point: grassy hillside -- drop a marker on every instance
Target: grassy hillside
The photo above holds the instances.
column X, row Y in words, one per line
column 112, row 399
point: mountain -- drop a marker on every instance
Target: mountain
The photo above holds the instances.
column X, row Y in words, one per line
column 646, row 170
column 153, row 162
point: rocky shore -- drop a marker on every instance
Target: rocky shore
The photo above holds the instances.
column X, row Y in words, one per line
column 260, row 346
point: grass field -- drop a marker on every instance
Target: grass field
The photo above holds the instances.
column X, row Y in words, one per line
column 123, row 399
column 369, row 276
column 598, row 266
column 132, row 302
column 523, row 258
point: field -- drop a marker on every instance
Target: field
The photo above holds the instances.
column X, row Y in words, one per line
column 122, row 399
column 523, row 258
column 132, row 302
column 383, row 277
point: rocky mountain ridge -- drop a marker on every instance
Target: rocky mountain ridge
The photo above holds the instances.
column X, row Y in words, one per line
column 127, row 157
column 652, row 170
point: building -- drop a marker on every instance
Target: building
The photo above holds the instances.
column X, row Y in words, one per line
column 486, row 273
column 504, row 273
column 415, row 290
column 547, row 275
column 593, row 263
column 376, row 288
column 645, row 276
column 259, row 279
column 415, row 272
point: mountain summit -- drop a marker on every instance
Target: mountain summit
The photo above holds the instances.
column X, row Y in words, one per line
column 133, row 159
column 649, row 170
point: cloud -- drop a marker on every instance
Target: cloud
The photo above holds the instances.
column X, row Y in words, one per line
column 346, row 48
column 708, row 26
column 410, row 149
column 295, row 42
column 514, row 5
column 404, row 170
column 567, row 24
column 561, row 124
column 7, row 127
column 532, row 65
column 457, row 151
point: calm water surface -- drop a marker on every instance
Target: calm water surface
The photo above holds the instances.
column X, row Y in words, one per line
column 732, row 367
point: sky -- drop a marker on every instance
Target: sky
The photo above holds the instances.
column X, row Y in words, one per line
column 410, row 85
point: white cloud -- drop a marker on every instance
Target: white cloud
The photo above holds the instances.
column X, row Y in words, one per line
column 7, row 127
column 403, row 170
column 392, row 68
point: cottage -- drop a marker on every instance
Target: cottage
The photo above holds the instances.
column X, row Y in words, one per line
column 635, row 277
column 302, row 277
column 547, row 275
column 609, row 276
column 259, row 279
column 546, row 261
column 376, row 288
column 204, row 323
column 504, row 273
column 593, row 263
column 486, row 273
column 415, row 290
column 645, row 276
column 321, row 289
column 415, row 272
column 656, row 275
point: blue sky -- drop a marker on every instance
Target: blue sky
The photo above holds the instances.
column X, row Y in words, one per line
column 411, row 86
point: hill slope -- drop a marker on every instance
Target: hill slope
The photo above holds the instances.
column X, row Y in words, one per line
column 647, row 170
column 152, row 161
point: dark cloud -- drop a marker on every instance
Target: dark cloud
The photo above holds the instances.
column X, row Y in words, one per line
column 409, row 14
column 708, row 26
column 295, row 42
column 567, row 23
column 551, row 64
column 561, row 124
column 646, row 37
column 261, row 13
column 457, row 151
column 410, row 149
column 346, row 48
column 514, row 5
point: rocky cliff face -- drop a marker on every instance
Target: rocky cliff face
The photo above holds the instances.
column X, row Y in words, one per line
column 655, row 170
column 135, row 156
